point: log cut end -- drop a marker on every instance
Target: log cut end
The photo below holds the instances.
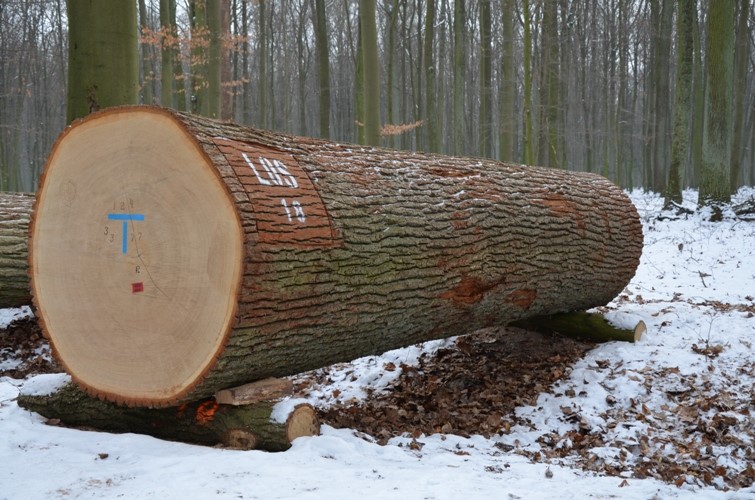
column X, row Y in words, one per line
column 135, row 256
column 302, row 422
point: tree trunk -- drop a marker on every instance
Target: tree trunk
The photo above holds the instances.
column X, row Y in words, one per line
column 15, row 212
column 103, row 56
column 148, row 75
column 200, row 43
column 459, row 67
column 232, row 254
column 486, row 82
column 371, row 72
column 740, row 93
column 717, row 127
column 528, row 147
column 508, row 94
column 203, row 422
column 322, row 48
column 215, row 58
column 682, row 102
column 431, row 111
column 167, row 48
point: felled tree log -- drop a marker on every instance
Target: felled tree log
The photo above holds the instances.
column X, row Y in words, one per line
column 203, row 422
column 173, row 256
column 15, row 212
column 582, row 325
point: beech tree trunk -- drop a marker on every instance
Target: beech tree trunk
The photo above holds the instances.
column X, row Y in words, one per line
column 203, row 422
column 185, row 255
column 15, row 212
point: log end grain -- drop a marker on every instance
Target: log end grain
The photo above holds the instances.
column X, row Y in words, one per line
column 135, row 256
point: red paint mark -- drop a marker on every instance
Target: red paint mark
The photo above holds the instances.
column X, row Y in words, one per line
column 522, row 298
column 469, row 291
column 562, row 207
column 206, row 412
column 137, row 287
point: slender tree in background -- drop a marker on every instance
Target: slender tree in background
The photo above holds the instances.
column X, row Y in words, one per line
column 486, row 81
column 548, row 154
column 103, row 55
column 262, row 87
column 323, row 67
column 458, row 76
column 215, row 60
column 658, row 109
column 719, row 75
column 528, row 154
column 508, row 82
column 359, row 104
column 167, row 41
column 682, row 100
column 740, row 92
column 696, row 147
column 431, row 113
column 148, row 73
column 199, row 56
column 371, row 72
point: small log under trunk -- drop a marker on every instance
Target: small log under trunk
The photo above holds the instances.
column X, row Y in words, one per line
column 15, row 212
column 203, row 422
column 582, row 325
column 182, row 255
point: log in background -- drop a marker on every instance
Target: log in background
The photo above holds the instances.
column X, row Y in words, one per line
column 15, row 211
column 389, row 248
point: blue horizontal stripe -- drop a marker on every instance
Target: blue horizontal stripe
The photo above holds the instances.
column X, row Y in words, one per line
column 125, row 216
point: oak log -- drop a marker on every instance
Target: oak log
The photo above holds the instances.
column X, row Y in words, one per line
column 201, row 422
column 584, row 325
column 173, row 256
column 15, row 212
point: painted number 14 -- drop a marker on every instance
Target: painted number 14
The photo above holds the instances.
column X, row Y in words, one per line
column 298, row 210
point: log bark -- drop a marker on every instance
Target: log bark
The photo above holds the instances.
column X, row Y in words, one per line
column 15, row 212
column 203, row 422
column 583, row 325
column 253, row 254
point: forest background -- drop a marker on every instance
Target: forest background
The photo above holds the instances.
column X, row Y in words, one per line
column 656, row 94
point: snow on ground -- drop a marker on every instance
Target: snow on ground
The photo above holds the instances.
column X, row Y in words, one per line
column 683, row 394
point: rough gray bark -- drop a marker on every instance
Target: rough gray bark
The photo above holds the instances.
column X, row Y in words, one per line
column 390, row 248
column 15, row 212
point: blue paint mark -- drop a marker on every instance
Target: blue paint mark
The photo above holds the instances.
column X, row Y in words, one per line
column 124, row 243
column 126, row 218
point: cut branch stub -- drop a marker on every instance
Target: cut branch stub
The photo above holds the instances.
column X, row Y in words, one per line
column 173, row 256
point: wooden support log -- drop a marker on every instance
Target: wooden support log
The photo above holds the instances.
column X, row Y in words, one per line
column 262, row 390
column 15, row 212
column 583, row 325
column 173, row 255
column 203, row 422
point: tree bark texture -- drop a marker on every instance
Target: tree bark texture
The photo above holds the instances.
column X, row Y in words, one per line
column 351, row 251
column 103, row 59
column 203, row 422
column 15, row 212
column 583, row 325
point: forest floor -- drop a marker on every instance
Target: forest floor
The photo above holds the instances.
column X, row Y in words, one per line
column 496, row 413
